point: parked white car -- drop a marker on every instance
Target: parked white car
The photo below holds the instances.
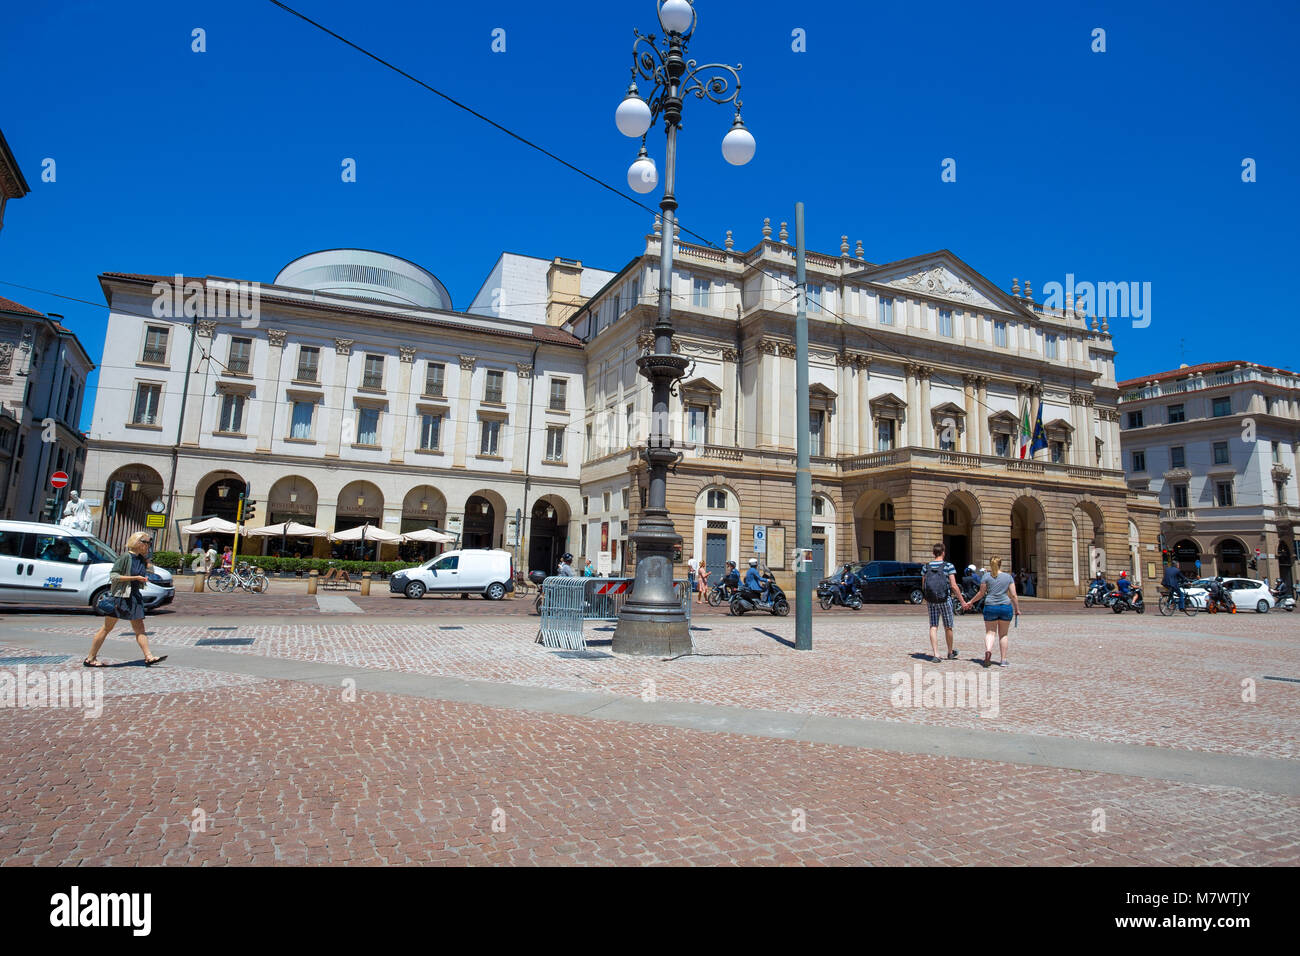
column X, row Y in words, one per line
column 489, row 573
column 1248, row 595
column 45, row 564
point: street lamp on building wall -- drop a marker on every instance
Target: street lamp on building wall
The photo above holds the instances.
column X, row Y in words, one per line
column 652, row 620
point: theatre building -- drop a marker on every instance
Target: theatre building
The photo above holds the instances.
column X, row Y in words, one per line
column 920, row 373
column 346, row 392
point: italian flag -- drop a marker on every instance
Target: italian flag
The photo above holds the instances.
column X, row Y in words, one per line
column 1025, row 434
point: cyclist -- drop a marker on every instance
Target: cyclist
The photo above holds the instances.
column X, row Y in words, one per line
column 1174, row 581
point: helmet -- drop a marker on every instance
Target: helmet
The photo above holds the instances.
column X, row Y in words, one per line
column 970, row 567
column 567, row 557
column 753, row 562
column 731, row 564
column 1123, row 574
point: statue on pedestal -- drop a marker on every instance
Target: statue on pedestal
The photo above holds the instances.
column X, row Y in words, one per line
column 76, row 515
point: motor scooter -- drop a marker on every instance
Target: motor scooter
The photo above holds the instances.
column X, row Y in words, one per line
column 746, row 600
column 1283, row 595
column 1119, row 604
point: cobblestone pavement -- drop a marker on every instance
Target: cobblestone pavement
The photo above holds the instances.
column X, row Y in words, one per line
column 1148, row 680
column 282, row 772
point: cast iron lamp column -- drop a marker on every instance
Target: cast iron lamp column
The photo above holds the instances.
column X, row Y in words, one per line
column 653, row 621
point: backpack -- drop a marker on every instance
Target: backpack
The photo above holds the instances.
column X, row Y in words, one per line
column 935, row 584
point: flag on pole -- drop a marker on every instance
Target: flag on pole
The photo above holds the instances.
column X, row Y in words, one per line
column 1040, row 436
column 1024, row 428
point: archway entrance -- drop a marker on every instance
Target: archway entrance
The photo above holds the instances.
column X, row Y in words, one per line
column 1028, row 544
column 1089, row 546
column 548, row 534
column 1284, row 564
column 873, row 522
column 135, row 488
column 217, row 494
column 960, row 538
column 1187, row 555
column 360, row 502
column 1231, row 555
column 292, row 498
column 480, row 519
column 423, row 507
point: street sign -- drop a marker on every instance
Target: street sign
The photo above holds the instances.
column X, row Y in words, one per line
column 118, row 488
column 155, row 521
column 59, row 479
column 604, row 562
column 760, row 539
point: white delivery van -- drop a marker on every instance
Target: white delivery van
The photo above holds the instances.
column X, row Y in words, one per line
column 44, row 564
column 489, row 573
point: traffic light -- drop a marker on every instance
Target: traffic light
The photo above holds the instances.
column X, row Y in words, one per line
column 1164, row 556
column 250, row 510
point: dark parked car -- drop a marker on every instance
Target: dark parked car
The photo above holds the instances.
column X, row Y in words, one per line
column 885, row 581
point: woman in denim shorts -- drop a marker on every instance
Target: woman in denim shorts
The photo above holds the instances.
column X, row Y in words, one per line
column 1000, row 602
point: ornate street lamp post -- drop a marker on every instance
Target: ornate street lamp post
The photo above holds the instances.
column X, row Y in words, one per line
column 653, row 620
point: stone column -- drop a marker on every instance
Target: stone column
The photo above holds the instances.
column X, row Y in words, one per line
column 523, row 389
column 866, row 440
column 337, row 395
column 925, row 424
column 982, row 414
column 461, row 413
column 911, row 395
column 970, row 440
column 402, row 403
column 730, row 401
column 271, row 402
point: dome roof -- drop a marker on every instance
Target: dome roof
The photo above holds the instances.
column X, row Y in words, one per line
column 368, row 275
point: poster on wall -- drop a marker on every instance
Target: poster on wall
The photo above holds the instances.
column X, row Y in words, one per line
column 776, row 548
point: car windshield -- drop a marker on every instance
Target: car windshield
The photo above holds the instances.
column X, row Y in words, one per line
column 98, row 550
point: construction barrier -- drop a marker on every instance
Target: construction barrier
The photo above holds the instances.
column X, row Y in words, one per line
column 569, row 602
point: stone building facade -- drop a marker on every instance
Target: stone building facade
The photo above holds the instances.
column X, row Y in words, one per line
column 919, row 371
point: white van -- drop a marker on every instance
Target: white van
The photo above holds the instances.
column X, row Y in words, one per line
column 489, row 573
column 43, row 564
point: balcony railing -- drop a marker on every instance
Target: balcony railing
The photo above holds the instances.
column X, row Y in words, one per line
column 1182, row 515
column 722, row 452
column 372, row 380
column 156, row 356
column 237, row 366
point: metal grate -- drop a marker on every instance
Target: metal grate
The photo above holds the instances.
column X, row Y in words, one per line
column 35, row 661
column 224, row 642
column 450, row 627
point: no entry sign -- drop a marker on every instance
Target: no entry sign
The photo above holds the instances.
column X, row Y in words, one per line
column 59, row 479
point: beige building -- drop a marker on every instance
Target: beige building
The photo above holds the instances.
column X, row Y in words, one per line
column 1219, row 444
column 919, row 370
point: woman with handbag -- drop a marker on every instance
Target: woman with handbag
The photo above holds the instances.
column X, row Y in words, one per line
column 130, row 571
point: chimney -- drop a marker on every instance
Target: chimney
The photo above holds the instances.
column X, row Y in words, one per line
column 563, row 290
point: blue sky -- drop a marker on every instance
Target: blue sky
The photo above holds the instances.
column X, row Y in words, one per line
column 1117, row 166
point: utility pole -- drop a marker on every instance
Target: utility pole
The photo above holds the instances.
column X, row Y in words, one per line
column 803, row 472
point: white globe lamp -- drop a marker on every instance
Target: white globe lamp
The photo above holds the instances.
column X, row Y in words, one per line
column 642, row 175
column 633, row 115
column 676, row 16
column 738, row 145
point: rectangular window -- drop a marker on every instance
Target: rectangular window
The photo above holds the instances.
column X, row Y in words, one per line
column 947, row 436
column 1051, row 346
column 1177, row 457
column 1000, row 334
column 1135, row 419
column 240, row 357
column 147, row 399
column 490, row 438
column 301, row 423
column 308, row 363
column 697, row 424
column 1058, row 451
column 605, row 499
column 372, row 375
column 367, row 426
column 430, row 432
column 814, row 298
column 586, row 503
column 717, row 499
column 1002, row 445
column 885, row 434
column 1223, row 493
column 555, row 444
column 945, row 322
column 1180, row 496
column 1277, row 453
column 1177, row 413
column 1139, row 461
column 1221, row 453
column 494, row 387
column 559, row 395
column 816, row 427
column 435, row 379
column 627, row 498
column 232, row 413
column 700, row 293
column 630, row 435
column 886, row 311
column 591, row 446
column 1222, row 406
column 155, row 344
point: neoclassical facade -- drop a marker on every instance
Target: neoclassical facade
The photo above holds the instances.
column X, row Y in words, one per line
column 1219, row 444
column 346, row 392
column 919, row 370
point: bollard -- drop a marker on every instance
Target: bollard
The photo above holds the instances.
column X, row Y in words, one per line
column 198, row 583
column 313, row 578
column 365, row 583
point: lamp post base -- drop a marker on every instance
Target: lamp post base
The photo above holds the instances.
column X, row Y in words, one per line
column 653, row 621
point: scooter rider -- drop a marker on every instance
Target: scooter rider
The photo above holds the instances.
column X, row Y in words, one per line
column 848, row 582
column 1125, row 587
column 754, row 582
column 731, row 579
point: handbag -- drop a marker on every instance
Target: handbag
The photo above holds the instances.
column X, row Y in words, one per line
column 107, row 605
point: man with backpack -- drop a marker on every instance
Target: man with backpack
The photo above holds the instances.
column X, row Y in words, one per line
column 939, row 584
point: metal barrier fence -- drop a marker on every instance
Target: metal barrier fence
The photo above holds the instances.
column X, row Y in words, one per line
column 569, row 602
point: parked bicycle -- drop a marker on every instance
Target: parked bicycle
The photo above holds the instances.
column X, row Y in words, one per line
column 245, row 576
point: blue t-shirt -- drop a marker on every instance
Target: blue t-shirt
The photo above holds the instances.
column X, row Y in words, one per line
column 753, row 580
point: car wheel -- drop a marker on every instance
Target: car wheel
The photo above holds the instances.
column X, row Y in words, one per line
column 916, row 597
column 1261, row 607
column 415, row 590
column 495, row 591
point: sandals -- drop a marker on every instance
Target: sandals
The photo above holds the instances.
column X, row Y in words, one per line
column 150, row 662
column 95, row 663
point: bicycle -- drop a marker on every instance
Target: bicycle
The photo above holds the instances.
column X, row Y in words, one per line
column 1169, row 604
column 244, row 576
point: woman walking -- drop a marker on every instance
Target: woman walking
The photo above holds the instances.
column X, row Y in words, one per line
column 1000, row 601
column 130, row 572
column 701, row 582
